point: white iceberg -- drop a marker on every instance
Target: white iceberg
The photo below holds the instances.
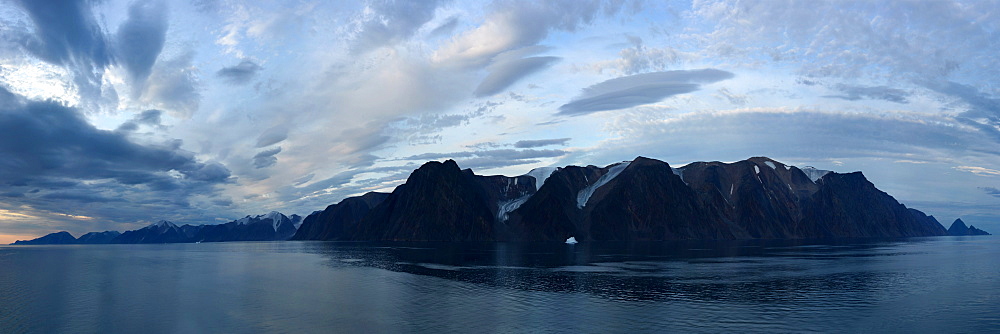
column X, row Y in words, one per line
column 571, row 240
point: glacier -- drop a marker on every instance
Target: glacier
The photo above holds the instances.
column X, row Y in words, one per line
column 584, row 195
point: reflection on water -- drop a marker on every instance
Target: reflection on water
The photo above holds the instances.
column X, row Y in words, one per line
column 923, row 285
column 756, row 272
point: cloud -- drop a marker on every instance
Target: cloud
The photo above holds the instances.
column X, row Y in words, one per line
column 981, row 171
column 826, row 39
column 140, row 40
column 639, row 89
column 388, row 22
column 445, row 28
column 148, row 117
column 487, row 159
column 66, row 34
column 505, row 74
column 854, row 93
column 422, row 128
column 51, row 152
column 266, row 158
column 513, row 25
column 812, row 135
column 980, row 104
column 640, row 58
column 540, row 142
column 737, row 99
column 173, row 86
column 991, row 191
column 272, row 135
column 240, row 73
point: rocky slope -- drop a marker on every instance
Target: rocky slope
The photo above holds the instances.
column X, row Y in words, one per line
column 643, row 199
column 958, row 228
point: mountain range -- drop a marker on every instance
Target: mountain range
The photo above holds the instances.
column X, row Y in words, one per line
column 266, row 227
column 642, row 200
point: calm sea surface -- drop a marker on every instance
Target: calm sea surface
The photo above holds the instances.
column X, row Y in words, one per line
column 927, row 285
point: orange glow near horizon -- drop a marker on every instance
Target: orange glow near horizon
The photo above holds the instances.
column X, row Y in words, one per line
column 6, row 239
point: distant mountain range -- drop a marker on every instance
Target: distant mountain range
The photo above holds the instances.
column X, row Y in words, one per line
column 642, row 199
column 271, row 226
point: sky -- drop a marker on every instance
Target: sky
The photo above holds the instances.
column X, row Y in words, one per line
column 116, row 114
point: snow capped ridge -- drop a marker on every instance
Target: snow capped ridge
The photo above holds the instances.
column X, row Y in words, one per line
column 244, row 220
column 813, row 173
column 541, row 174
column 584, row 195
column 162, row 224
column 275, row 217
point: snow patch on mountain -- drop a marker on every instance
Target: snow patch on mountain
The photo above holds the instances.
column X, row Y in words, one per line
column 584, row 195
column 679, row 172
column 541, row 174
column 275, row 218
column 504, row 208
column 163, row 224
column 813, row 173
column 771, row 164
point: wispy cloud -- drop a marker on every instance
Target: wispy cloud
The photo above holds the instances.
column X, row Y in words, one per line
column 981, row 171
column 639, row 89
column 540, row 142
column 854, row 93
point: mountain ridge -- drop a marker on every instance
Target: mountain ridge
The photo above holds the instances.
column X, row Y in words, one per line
column 641, row 199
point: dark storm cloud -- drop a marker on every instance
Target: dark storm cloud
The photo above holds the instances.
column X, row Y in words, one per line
column 140, row 40
column 266, row 158
column 540, row 142
column 240, row 73
column 505, row 74
column 53, row 156
column 639, row 89
column 854, row 93
column 393, row 22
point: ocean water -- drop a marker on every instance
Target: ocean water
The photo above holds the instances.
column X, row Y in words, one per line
column 925, row 285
